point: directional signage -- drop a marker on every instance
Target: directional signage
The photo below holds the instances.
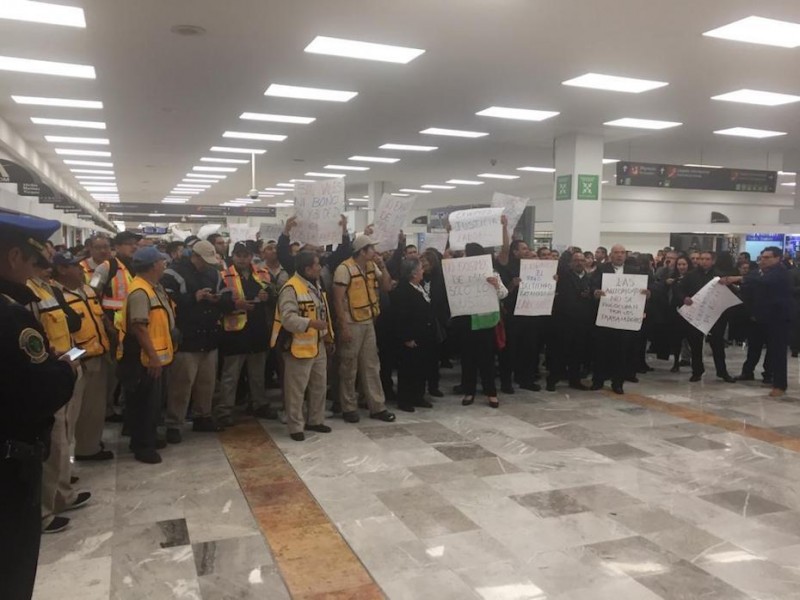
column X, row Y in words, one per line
column 695, row 178
column 563, row 187
column 588, row 187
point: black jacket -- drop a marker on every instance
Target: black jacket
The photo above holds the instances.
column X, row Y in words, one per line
column 414, row 318
column 284, row 248
column 256, row 334
column 573, row 304
column 695, row 280
column 772, row 296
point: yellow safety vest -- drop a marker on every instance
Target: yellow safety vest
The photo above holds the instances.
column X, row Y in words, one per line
column 158, row 326
column 88, row 271
column 120, row 287
column 305, row 344
column 362, row 293
column 92, row 335
column 233, row 281
column 52, row 317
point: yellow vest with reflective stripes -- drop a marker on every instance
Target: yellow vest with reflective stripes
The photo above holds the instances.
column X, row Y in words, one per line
column 233, row 281
column 362, row 293
column 52, row 317
column 88, row 271
column 120, row 287
column 305, row 344
column 158, row 327
column 92, row 335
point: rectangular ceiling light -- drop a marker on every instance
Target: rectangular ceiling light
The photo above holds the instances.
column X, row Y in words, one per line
column 285, row 185
column 612, row 83
column 250, row 116
column 187, row 180
column 179, row 192
column 46, row 67
column 400, row 195
column 93, row 171
column 215, row 169
column 95, row 177
column 362, row 50
column 520, row 114
column 746, row 96
column 453, row 132
column 758, row 30
column 101, row 188
column 497, row 176
column 302, row 180
column 60, row 102
column 230, row 161
column 214, row 177
column 409, row 147
column 43, row 12
column 68, row 123
column 789, row 173
column 702, row 166
column 790, row 184
column 193, row 186
column 88, row 163
column 346, row 168
column 315, row 174
column 750, row 133
column 375, row 159
column 610, row 161
column 175, row 200
column 413, row 191
column 275, row 190
column 642, row 123
column 65, row 139
column 246, row 135
column 537, row 169
column 434, row 186
column 465, row 182
column 72, row 152
column 307, row 93
column 237, row 150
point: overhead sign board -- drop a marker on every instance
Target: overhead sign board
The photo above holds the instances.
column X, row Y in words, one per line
column 695, row 178
column 180, row 210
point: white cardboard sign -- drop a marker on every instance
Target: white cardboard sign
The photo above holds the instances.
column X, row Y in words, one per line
column 389, row 218
column 708, row 305
column 537, row 288
column 319, row 207
column 468, row 292
column 479, row 225
column 623, row 305
column 270, row 231
column 434, row 240
column 513, row 207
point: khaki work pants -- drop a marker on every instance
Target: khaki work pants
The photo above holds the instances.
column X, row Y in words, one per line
column 57, row 492
column 232, row 370
column 91, row 391
column 305, row 379
column 192, row 377
column 360, row 356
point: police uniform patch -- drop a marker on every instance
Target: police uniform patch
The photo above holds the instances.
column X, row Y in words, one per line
column 31, row 343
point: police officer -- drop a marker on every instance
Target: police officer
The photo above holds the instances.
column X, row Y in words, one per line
column 35, row 385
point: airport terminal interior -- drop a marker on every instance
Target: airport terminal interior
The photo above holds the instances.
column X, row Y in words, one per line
column 554, row 237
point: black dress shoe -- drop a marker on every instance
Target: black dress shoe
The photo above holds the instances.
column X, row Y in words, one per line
column 746, row 377
column 266, row 412
column 507, row 388
column 617, row 389
column 351, row 417
column 99, row 455
column 530, row 386
column 207, row 425
column 174, row 436
column 550, row 387
column 56, row 525
column 633, row 379
column 726, row 378
column 150, row 457
column 81, row 500
column 422, row 403
column 406, row 407
column 437, row 393
column 467, row 400
column 675, row 369
column 577, row 385
column 318, row 428
column 596, row 385
column 298, row 437
column 384, row 416
column 695, row 378
column 685, row 363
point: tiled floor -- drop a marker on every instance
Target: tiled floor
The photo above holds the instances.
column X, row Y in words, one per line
column 677, row 491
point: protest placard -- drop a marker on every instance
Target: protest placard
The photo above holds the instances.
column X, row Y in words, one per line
column 319, row 207
column 468, row 292
column 241, row 232
column 537, row 288
column 434, row 240
column 708, row 305
column 513, row 207
column 270, row 231
column 479, row 225
column 623, row 305
column 389, row 219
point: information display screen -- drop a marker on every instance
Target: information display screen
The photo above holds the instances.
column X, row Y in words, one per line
column 695, row 178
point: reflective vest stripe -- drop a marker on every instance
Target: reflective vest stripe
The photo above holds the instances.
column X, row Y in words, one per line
column 52, row 317
column 119, row 287
column 92, row 335
column 158, row 326
column 236, row 321
column 306, row 343
column 362, row 292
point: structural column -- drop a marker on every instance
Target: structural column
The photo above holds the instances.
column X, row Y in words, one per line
column 577, row 195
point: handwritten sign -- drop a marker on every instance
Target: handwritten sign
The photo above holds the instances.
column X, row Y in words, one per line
column 437, row 241
column 479, row 225
column 389, row 219
column 240, row 232
column 623, row 305
column 708, row 305
column 270, row 231
column 537, row 288
column 513, row 207
column 468, row 292
column 319, row 207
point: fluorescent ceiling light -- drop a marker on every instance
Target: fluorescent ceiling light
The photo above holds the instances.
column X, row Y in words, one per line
column 156, row 215
column 94, row 177
column 65, row 139
column 285, row 185
column 250, row 116
column 93, row 171
column 43, row 12
column 613, row 83
column 465, row 182
column 453, row 132
column 357, row 200
column 215, row 169
column 179, row 192
column 400, row 195
column 237, row 150
column 413, row 191
column 214, row 177
column 307, row 93
column 750, row 133
column 434, row 186
column 101, row 188
column 792, row 173
column 642, row 123
column 746, row 96
column 520, row 114
column 192, row 186
column 315, row 174
column 187, row 180
column 88, row 163
column 703, row 166
column 790, row 184
column 346, row 168
column 46, row 67
column 61, row 102
column 362, row 50
column 174, row 201
column 302, row 180
column 537, row 169
column 758, row 30
column 73, row 152
column 276, row 190
column 230, row 161
column 375, row 159
column 497, row 176
column 409, row 147
column 246, row 135
column 68, row 123
column 610, row 161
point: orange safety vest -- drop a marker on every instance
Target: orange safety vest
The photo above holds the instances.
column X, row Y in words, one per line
column 92, row 335
column 88, row 271
column 119, row 285
column 233, row 281
column 158, row 325
column 52, row 317
column 306, row 343
column 362, row 293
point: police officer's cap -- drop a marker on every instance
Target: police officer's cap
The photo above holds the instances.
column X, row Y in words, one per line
column 32, row 230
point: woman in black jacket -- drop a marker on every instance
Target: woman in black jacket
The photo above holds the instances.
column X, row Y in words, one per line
column 677, row 326
column 415, row 326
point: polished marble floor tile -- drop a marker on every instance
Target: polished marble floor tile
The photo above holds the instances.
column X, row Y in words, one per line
column 555, row 503
column 744, row 503
column 619, row 451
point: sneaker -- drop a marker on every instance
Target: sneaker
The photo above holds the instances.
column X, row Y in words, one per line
column 150, row 457
column 56, row 525
column 351, row 417
column 298, row 437
column 206, row 425
column 266, row 412
column 318, row 428
column 174, row 436
column 384, row 416
column 80, row 501
column 99, row 455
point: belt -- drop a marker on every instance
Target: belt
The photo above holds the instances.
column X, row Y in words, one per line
column 10, row 449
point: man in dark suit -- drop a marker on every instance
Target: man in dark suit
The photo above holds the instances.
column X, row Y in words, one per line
column 614, row 348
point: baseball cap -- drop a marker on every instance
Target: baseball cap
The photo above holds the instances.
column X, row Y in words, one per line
column 362, row 241
column 65, row 259
column 206, row 251
column 190, row 241
column 146, row 256
column 242, row 247
column 34, row 230
column 126, row 237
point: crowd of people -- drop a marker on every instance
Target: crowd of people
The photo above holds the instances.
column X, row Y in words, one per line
column 190, row 331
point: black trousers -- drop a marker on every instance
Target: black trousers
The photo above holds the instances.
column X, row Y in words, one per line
column 615, row 354
column 415, row 369
column 568, row 350
column 477, row 356
column 756, row 342
column 716, row 339
column 143, row 404
column 696, row 340
column 20, row 526
column 778, row 334
column 519, row 360
column 388, row 355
